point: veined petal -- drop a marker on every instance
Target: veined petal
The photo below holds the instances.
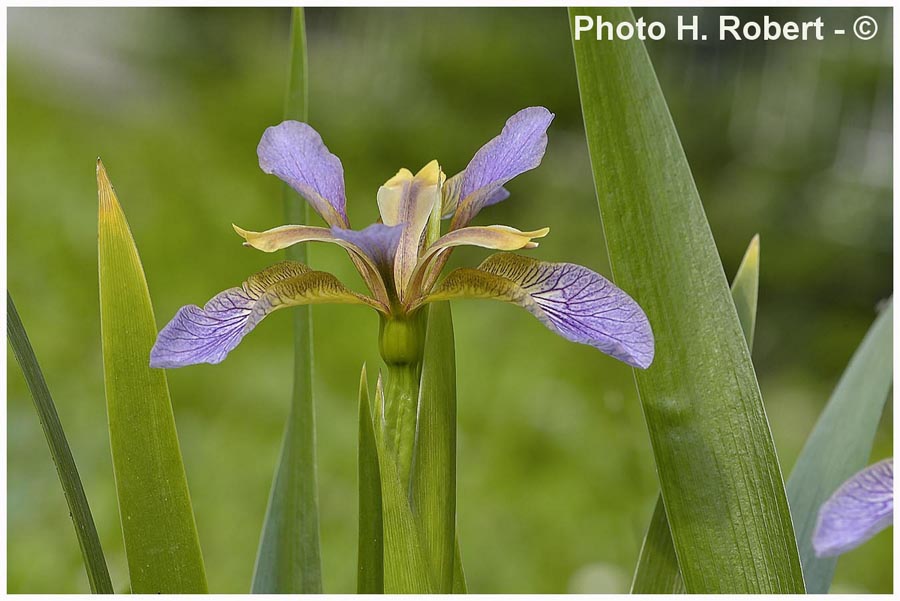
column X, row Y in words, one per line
column 295, row 153
column 367, row 247
column 519, row 148
column 207, row 335
column 571, row 300
column 861, row 508
column 495, row 237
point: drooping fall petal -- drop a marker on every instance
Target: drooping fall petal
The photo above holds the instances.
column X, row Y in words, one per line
column 295, row 153
column 861, row 508
column 571, row 300
column 519, row 148
column 207, row 335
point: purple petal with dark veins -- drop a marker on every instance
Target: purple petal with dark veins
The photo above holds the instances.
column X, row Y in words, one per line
column 207, row 335
column 861, row 508
column 378, row 241
column 204, row 335
column 571, row 300
column 294, row 152
column 519, row 148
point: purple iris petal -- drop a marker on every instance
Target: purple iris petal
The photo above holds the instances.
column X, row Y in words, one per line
column 294, row 152
column 207, row 335
column 378, row 241
column 861, row 508
column 498, row 195
column 571, row 300
column 519, row 148
column 204, row 335
column 585, row 307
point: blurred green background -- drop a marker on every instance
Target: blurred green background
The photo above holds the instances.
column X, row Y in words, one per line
column 556, row 478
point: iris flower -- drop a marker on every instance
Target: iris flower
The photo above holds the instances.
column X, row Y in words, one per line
column 401, row 257
column 861, row 508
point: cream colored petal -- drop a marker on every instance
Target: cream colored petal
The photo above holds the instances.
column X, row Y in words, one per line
column 497, row 237
column 284, row 236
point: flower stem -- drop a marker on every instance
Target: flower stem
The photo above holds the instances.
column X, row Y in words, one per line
column 401, row 344
column 401, row 398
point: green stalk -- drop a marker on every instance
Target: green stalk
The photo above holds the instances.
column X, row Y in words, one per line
column 289, row 559
column 79, row 510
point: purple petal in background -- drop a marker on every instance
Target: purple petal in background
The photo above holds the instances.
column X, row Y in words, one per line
column 861, row 508
column 294, row 152
column 519, row 148
column 378, row 241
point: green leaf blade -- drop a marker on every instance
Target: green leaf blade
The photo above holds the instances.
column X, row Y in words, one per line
column 289, row 555
column 79, row 509
column 370, row 562
column 434, row 471
column 161, row 541
column 657, row 570
column 841, row 441
column 719, row 474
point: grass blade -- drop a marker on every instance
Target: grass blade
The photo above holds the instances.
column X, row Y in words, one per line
column 289, row 556
column 370, row 563
column 719, row 474
column 657, row 570
column 434, row 471
column 459, row 575
column 79, row 510
column 161, row 540
column 841, row 441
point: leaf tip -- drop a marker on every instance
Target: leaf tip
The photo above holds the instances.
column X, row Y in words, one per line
column 105, row 190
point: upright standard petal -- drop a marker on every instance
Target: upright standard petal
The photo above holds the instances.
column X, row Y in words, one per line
column 407, row 200
column 519, row 148
column 207, row 335
column 294, row 152
column 571, row 300
column 861, row 508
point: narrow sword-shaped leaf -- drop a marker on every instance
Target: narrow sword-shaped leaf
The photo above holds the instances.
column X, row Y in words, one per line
column 161, row 541
column 434, row 465
column 715, row 457
column 289, row 557
column 841, row 441
column 370, row 561
column 79, row 510
column 459, row 574
column 657, row 569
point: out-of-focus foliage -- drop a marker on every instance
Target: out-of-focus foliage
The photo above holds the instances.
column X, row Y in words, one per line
column 790, row 140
